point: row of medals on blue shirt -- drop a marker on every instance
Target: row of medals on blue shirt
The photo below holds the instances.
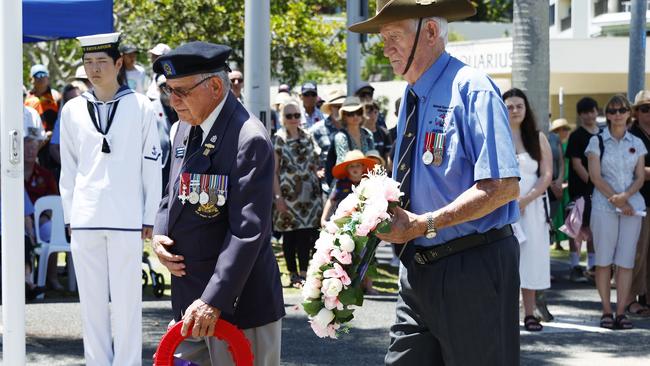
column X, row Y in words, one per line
column 434, row 147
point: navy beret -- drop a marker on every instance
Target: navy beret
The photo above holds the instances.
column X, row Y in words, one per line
column 193, row 58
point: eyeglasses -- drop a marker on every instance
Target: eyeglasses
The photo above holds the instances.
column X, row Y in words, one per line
column 309, row 94
column 644, row 108
column 352, row 114
column 621, row 110
column 238, row 80
column 181, row 93
column 292, row 116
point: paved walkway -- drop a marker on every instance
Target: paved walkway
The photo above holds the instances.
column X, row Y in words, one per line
column 54, row 336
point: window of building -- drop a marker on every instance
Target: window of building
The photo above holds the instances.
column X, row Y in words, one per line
column 551, row 15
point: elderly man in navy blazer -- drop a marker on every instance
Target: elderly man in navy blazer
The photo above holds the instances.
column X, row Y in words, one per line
column 213, row 228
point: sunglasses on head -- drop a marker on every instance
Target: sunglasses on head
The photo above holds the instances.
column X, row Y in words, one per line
column 644, row 108
column 355, row 113
column 616, row 110
column 292, row 116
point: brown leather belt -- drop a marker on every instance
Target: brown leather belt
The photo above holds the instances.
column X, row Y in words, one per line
column 430, row 255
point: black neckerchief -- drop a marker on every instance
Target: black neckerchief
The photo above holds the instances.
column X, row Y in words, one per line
column 92, row 111
column 91, row 101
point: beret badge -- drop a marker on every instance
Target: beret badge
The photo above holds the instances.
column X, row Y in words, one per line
column 168, row 68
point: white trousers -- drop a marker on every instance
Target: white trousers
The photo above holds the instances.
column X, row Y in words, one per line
column 108, row 265
column 265, row 344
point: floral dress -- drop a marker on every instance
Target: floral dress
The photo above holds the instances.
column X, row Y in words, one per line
column 300, row 187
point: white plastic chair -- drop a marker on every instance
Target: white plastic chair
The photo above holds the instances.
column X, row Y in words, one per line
column 58, row 241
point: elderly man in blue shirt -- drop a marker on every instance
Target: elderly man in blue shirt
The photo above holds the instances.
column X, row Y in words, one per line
column 459, row 281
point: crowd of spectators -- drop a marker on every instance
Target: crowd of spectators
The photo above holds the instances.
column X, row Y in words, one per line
column 324, row 145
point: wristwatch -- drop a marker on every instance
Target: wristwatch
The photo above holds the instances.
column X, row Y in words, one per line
column 431, row 228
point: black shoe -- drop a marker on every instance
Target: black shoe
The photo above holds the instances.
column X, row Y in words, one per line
column 577, row 275
column 32, row 293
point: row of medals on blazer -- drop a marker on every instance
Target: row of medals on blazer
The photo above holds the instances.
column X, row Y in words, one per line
column 214, row 192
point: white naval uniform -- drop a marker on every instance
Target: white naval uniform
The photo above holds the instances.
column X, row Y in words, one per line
column 107, row 199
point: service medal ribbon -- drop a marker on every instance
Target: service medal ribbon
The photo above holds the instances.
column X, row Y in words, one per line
column 427, row 157
column 438, row 148
column 203, row 196
column 222, row 190
column 195, row 182
column 184, row 187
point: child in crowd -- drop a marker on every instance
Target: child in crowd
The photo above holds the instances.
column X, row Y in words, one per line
column 348, row 174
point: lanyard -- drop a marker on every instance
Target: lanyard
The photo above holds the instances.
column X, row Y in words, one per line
column 91, row 110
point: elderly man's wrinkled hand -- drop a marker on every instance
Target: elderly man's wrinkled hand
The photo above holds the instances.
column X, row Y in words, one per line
column 201, row 317
column 405, row 226
column 173, row 262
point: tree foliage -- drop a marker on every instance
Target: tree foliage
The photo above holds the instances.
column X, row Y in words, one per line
column 492, row 11
column 305, row 43
column 300, row 37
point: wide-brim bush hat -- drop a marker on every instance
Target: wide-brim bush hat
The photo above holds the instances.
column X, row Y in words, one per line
column 560, row 123
column 350, row 104
column 389, row 11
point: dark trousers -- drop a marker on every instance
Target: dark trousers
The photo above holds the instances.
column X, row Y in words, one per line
column 299, row 242
column 461, row 310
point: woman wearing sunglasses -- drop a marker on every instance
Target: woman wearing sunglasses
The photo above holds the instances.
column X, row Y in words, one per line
column 298, row 203
column 353, row 136
column 616, row 168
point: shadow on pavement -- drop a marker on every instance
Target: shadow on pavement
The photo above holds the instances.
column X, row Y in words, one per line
column 300, row 346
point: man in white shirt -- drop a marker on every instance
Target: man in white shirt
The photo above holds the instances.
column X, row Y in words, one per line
column 110, row 188
column 136, row 77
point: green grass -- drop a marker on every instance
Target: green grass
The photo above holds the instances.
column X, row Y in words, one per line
column 563, row 255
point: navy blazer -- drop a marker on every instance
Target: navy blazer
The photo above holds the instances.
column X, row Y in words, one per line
column 229, row 260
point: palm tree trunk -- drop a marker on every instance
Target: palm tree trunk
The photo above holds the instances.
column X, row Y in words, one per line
column 530, row 59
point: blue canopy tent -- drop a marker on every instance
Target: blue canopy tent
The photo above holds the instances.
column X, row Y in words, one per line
column 46, row 20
